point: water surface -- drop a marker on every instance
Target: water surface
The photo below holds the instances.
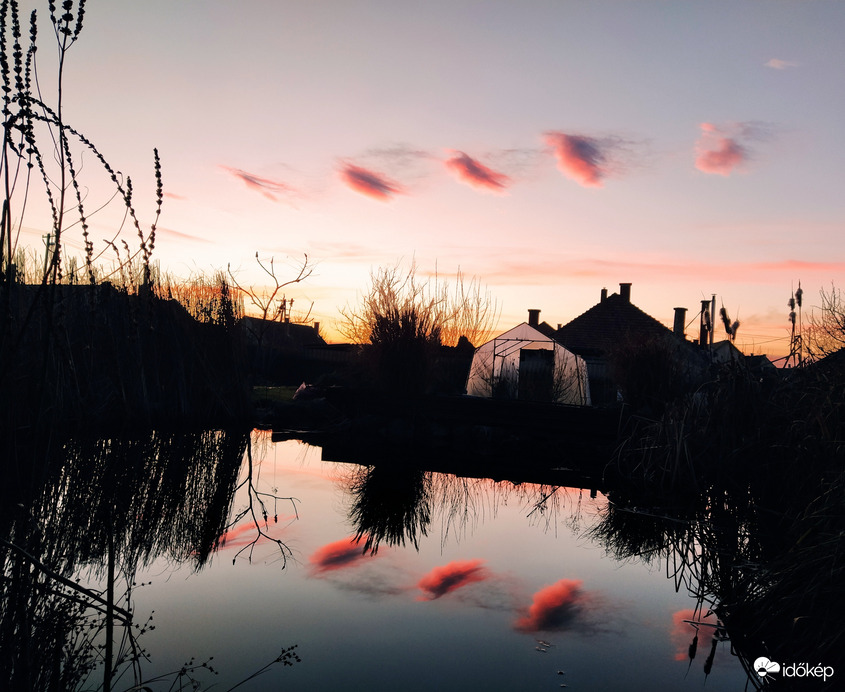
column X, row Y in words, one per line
column 466, row 584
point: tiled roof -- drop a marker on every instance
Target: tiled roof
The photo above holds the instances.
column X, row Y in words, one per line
column 606, row 324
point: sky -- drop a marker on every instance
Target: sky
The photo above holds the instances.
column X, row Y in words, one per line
column 549, row 148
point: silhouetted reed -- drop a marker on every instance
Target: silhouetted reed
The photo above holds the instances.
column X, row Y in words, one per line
column 83, row 342
column 767, row 563
column 771, row 559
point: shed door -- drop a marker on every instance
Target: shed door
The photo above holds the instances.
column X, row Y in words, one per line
column 536, row 374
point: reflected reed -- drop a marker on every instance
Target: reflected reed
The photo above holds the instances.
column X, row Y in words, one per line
column 109, row 505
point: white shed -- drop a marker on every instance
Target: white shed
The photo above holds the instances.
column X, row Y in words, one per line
column 524, row 363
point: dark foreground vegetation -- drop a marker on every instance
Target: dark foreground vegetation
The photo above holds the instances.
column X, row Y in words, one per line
column 739, row 485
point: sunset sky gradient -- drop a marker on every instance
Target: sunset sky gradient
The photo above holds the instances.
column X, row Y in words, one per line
column 552, row 148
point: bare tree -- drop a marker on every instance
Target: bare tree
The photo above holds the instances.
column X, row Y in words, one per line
column 826, row 333
column 270, row 300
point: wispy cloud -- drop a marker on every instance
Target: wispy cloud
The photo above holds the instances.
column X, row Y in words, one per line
column 447, row 578
column 723, row 149
column 271, row 189
column 778, row 64
column 368, row 182
column 551, row 269
column 337, row 555
column 475, row 173
column 173, row 195
column 178, row 234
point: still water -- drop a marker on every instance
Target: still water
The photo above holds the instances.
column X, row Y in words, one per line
column 467, row 584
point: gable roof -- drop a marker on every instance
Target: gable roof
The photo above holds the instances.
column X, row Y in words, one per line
column 600, row 329
column 521, row 333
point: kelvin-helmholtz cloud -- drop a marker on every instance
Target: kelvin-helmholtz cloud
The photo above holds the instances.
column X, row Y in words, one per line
column 726, row 149
column 475, row 173
column 588, row 160
column 267, row 187
column 368, row 182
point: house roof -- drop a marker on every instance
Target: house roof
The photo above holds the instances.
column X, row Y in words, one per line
column 601, row 328
column 282, row 334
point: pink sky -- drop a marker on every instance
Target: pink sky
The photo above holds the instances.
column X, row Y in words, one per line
column 620, row 141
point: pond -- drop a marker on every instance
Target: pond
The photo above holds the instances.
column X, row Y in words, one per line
column 362, row 577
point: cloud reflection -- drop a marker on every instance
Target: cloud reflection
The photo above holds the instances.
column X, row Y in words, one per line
column 555, row 608
column 337, row 555
column 447, row 578
column 687, row 638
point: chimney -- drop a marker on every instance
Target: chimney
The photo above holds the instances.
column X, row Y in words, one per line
column 317, row 327
column 533, row 318
column 603, row 295
column 680, row 322
column 625, row 292
column 705, row 326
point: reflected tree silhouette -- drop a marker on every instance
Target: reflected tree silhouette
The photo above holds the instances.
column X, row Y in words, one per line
column 737, row 559
column 390, row 504
column 105, row 507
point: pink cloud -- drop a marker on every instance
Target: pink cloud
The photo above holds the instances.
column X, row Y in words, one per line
column 579, row 158
column 183, row 236
column 337, row 555
column 471, row 171
column 368, row 182
column 555, row 607
column 778, row 64
column 518, row 270
column 447, row 578
column 718, row 153
column 267, row 187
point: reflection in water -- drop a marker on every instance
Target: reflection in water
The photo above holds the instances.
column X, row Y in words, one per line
column 701, row 544
column 721, row 548
column 447, row 578
column 555, row 608
column 114, row 505
column 718, row 547
column 110, row 505
column 337, row 555
column 391, row 504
